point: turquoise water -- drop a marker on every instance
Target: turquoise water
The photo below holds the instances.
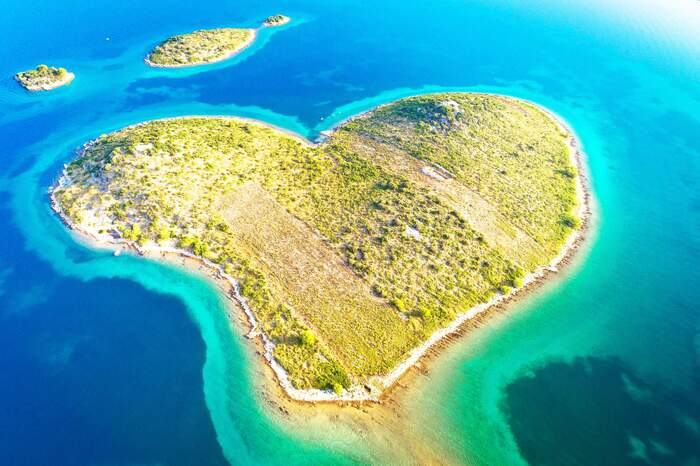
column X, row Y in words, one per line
column 115, row 360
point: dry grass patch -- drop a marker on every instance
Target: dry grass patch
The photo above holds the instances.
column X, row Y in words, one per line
column 307, row 275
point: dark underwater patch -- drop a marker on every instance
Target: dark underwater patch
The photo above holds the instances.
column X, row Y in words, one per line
column 596, row 411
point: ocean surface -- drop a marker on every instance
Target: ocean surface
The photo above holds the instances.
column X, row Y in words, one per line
column 119, row 361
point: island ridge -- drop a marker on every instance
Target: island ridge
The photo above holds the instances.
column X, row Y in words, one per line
column 351, row 253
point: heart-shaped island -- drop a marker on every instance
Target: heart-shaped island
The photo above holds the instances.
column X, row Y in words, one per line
column 351, row 256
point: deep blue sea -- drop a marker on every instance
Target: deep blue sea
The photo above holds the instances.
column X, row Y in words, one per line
column 119, row 361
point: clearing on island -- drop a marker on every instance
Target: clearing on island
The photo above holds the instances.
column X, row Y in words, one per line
column 353, row 252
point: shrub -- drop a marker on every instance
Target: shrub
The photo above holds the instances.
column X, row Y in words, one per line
column 163, row 234
column 399, row 305
column 567, row 172
column 570, row 221
column 186, row 242
column 308, row 338
column 505, row 289
column 118, row 212
column 132, row 233
column 337, row 388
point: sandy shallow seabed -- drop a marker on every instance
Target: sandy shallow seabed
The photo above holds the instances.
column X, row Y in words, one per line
column 421, row 355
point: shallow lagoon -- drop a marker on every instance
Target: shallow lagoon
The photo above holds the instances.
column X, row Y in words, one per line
column 95, row 345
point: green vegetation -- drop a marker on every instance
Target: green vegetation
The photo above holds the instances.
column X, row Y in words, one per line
column 199, row 47
column 353, row 252
column 308, row 338
column 44, row 78
column 276, row 20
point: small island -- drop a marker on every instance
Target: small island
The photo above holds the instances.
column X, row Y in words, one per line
column 276, row 20
column 200, row 47
column 207, row 45
column 351, row 257
column 44, row 78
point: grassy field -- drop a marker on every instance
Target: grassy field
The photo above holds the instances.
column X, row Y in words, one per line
column 200, row 47
column 353, row 252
